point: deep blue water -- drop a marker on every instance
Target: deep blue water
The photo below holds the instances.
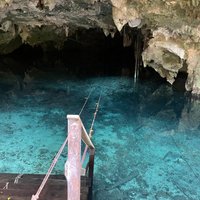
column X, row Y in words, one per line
column 146, row 136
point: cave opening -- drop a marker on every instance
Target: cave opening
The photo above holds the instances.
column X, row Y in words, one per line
column 84, row 53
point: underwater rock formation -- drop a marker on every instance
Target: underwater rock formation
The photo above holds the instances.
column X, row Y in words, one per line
column 174, row 28
column 189, row 117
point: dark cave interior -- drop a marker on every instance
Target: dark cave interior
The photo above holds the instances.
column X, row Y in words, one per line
column 88, row 52
column 83, row 54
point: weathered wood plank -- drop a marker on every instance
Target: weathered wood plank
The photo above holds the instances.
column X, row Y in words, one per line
column 55, row 189
column 73, row 164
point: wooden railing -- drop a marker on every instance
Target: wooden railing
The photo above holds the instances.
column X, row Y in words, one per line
column 74, row 165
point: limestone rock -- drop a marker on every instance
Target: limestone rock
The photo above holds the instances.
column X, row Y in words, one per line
column 135, row 23
column 5, row 3
column 175, row 31
column 119, row 3
column 193, row 80
column 50, row 4
column 122, row 14
column 37, row 22
column 165, row 55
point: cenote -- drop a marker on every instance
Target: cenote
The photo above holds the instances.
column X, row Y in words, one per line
column 146, row 133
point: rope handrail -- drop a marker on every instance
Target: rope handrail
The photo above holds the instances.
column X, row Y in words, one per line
column 95, row 114
column 36, row 196
column 17, row 178
column 91, row 128
column 6, row 186
column 86, row 100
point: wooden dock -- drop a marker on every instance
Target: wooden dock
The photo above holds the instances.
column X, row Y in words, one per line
column 78, row 185
column 55, row 189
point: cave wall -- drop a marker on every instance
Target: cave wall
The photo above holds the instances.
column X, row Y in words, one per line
column 175, row 35
column 172, row 45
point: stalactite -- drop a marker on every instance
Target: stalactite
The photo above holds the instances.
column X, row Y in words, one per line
column 40, row 4
column 137, row 48
column 127, row 37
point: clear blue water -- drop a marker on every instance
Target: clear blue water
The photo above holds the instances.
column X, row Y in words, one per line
column 146, row 136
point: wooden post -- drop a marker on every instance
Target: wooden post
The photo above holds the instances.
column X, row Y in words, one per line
column 91, row 171
column 73, row 165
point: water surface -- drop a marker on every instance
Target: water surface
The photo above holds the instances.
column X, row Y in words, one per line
column 146, row 136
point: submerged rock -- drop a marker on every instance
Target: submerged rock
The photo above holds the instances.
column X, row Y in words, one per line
column 189, row 119
column 162, row 195
column 180, row 197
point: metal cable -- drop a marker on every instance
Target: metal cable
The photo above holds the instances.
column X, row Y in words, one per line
column 86, row 100
column 91, row 128
column 95, row 114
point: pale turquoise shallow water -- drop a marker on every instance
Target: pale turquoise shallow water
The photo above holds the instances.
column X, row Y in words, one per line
column 147, row 136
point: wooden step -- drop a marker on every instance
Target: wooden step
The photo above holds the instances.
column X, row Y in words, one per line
column 27, row 178
column 55, row 188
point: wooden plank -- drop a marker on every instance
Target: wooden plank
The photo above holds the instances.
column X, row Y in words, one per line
column 34, row 178
column 85, row 137
column 9, row 176
column 73, row 164
column 56, row 188
column 91, row 171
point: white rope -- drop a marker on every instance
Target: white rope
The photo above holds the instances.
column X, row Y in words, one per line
column 36, row 196
column 17, row 178
column 6, row 186
column 91, row 128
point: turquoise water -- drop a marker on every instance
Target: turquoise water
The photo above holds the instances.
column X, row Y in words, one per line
column 146, row 136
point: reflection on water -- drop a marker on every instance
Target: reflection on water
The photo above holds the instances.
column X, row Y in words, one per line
column 146, row 137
